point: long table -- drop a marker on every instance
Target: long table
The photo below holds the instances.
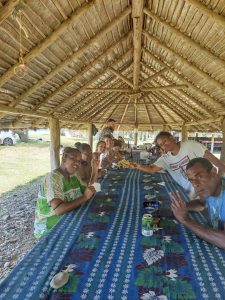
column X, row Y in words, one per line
column 112, row 260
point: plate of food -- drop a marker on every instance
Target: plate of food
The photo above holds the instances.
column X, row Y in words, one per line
column 126, row 164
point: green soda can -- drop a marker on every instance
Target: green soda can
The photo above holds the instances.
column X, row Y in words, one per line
column 147, row 225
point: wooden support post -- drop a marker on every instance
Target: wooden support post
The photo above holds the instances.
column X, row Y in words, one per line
column 90, row 135
column 184, row 133
column 222, row 156
column 135, row 135
column 55, row 142
column 212, row 144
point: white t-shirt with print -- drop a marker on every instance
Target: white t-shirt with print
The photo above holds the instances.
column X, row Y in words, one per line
column 176, row 164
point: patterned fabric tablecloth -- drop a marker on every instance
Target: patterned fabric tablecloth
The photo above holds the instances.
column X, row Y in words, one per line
column 112, row 260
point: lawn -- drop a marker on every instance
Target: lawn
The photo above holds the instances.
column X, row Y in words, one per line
column 25, row 162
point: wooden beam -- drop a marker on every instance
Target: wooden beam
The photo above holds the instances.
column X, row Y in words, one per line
column 211, row 14
column 149, row 89
column 50, row 39
column 165, row 87
column 75, row 78
column 68, row 99
column 90, row 135
column 153, row 77
column 124, row 113
column 204, row 96
column 187, row 40
column 184, row 61
column 74, row 56
column 184, row 133
column 109, row 90
column 205, row 121
column 7, row 9
column 120, row 76
column 137, row 17
column 222, row 156
column 54, row 143
column 27, row 112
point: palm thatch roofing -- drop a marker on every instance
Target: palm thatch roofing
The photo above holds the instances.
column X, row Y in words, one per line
column 154, row 64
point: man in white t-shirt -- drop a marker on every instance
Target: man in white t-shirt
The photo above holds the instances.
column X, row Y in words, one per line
column 176, row 156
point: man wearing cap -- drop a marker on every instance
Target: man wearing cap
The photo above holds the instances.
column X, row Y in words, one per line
column 108, row 129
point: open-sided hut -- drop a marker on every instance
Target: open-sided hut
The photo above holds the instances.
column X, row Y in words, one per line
column 150, row 65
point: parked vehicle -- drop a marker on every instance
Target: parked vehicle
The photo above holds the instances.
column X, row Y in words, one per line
column 7, row 138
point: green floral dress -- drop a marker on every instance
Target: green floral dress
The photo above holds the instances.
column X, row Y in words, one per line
column 55, row 185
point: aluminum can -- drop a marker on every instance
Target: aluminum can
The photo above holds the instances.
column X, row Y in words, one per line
column 147, row 225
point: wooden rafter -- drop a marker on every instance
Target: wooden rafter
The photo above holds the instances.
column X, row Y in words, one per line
column 75, row 55
column 121, row 77
column 137, row 17
column 80, row 74
column 5, row 108
column 83, row 88
column 185, row 62
column 191, row 85
column 149, row 89
column 161, row 72
column 7, row 9
column 187, row 40
column 50, row 39
column 217, row 18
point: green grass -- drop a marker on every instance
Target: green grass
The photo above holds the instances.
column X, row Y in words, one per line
column 25, row 162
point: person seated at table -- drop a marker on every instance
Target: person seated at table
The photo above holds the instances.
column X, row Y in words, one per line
column 60, row 192
column 121, row 139
column 88, row 172
column 101, row 156
column 211, row 189
column 106, row 157
column 117, row 156
column 176, row 156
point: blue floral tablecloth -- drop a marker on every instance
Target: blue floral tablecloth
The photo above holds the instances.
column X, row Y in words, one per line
column 112, row 260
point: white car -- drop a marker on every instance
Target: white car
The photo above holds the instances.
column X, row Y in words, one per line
column 7, row 138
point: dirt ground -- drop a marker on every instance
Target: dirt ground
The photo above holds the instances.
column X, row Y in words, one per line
column 16, row 225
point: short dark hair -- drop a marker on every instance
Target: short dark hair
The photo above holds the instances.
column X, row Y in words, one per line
column 84, row 146
column 110, row 120
column 117, row 143
column 100, row 143
column 107, row 136
column 69, row 150
column 162, row 134
column 205, row 163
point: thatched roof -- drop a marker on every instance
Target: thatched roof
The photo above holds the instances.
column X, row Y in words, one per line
column 154, row 64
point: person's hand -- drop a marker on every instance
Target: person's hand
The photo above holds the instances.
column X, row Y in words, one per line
column 95, row 163
column 178, row 207
column 89, row 192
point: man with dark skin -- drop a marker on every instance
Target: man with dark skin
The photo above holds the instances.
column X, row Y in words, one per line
column 211, row 190
column 176, row 156
column 108, row 129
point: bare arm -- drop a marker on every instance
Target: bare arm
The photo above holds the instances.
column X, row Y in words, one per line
column 196, row 205
column 60, row 206
column 148, row 169
column 180, row 210
column 215, row 161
